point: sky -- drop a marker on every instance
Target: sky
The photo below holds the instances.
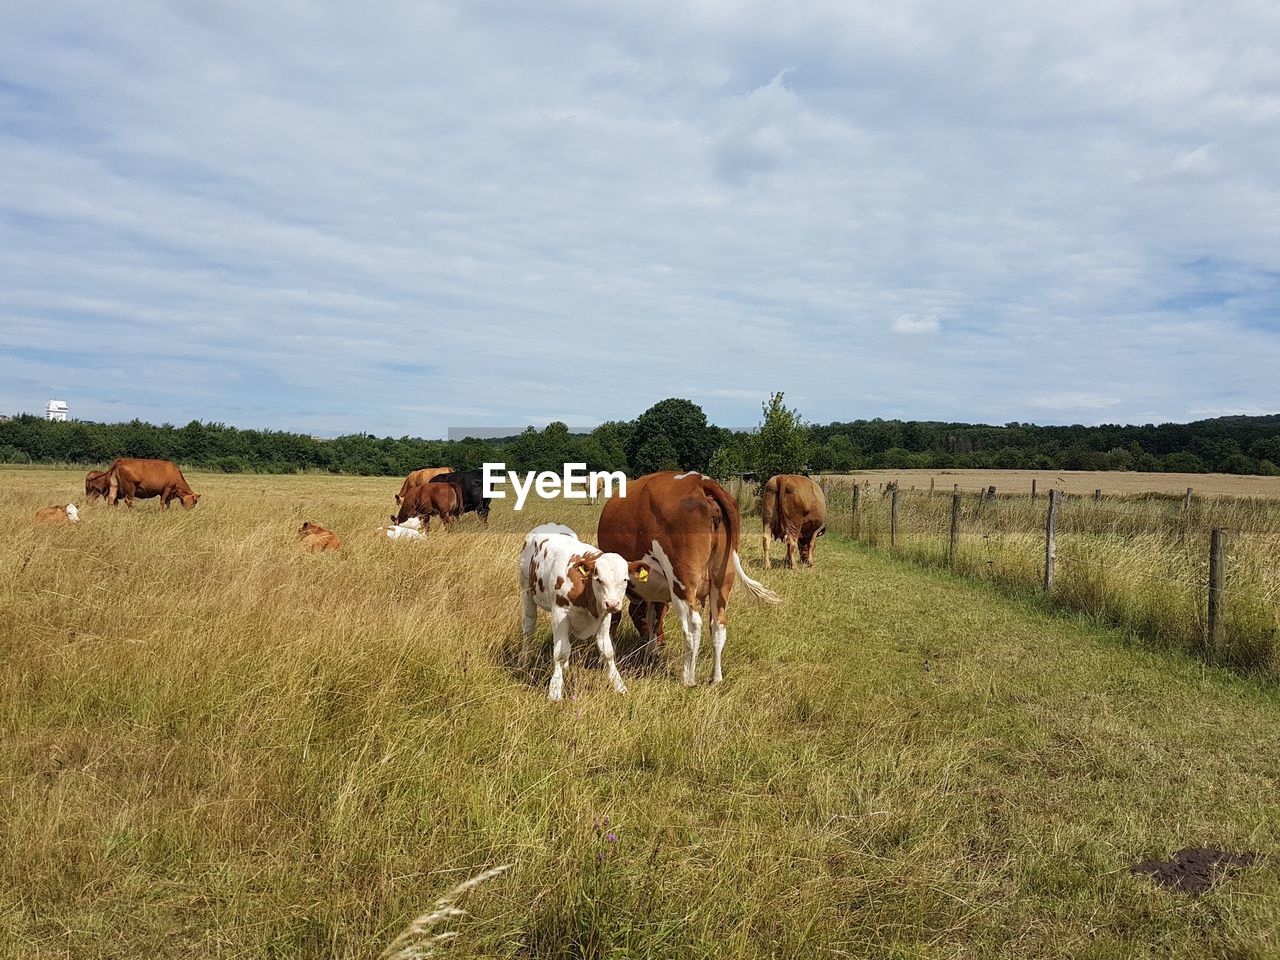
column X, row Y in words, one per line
column 400, row 217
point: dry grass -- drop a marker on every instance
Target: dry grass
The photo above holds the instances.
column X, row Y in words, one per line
column 213, row 745
column 1083, row 482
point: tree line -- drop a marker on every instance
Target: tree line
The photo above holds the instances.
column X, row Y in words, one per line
column 675, row 434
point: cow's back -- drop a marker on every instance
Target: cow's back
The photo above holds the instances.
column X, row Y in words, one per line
column 792, row 502
column 422, row 476
column 150, row 476
column 673, row 509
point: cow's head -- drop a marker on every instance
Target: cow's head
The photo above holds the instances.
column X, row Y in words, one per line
column 598, row 583
column 189, row 500
column 73, row 515
column 306, row 528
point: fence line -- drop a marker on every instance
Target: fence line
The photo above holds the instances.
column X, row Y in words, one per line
column 1240, row 627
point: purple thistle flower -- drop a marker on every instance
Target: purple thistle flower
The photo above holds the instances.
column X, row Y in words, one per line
column 612, row 837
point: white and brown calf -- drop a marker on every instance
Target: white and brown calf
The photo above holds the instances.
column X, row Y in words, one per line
column 580, row 587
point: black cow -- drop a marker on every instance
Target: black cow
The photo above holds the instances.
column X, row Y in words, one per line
column 472, row 484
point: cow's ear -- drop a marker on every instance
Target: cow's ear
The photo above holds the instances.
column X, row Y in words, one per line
column 638, row 571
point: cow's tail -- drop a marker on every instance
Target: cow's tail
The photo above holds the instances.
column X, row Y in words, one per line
column 756, row 587
column 458, row 505
column 729, row 509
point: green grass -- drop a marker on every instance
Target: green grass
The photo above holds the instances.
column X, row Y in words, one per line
column 212, row 745
column 1140, row 563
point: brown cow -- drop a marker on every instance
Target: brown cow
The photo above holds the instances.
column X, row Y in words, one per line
column 420, row 477
column 97, row 483
column 143, row 479
column 58, row 516
column 440, row 499
column 794, row 510
column 684, row 528
column 315, row 538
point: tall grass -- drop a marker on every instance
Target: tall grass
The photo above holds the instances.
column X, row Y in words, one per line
column 214, row 745
column 1139, row 561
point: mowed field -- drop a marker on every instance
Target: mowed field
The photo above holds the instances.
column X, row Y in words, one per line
column 1110, row 482
column 212, row 745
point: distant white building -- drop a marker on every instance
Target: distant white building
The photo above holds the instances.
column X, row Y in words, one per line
column 57, row 410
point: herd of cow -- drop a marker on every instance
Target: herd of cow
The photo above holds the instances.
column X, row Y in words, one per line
column 671, row 542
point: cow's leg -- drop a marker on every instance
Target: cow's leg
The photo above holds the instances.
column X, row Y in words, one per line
column 792, row 549
column 691, row 623
column 647, row 616
column 560, row 653
column 768, row 542
column 606, row 651
column 719, row 632
column 528, row 623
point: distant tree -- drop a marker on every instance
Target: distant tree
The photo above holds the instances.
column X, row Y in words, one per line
column 726, row 462
column 781, row 445
column 672, row 432
column 836, row 455
column 656, row 453
column 1183, row 462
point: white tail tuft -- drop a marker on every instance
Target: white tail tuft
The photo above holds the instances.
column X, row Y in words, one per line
column 757, row 588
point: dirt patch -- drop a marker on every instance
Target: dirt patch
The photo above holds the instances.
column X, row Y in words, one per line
column 1194, row 869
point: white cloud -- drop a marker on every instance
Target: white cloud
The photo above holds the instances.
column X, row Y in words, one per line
column 436, row 204
column 910, row 324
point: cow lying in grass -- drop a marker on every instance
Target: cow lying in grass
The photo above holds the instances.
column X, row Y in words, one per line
column 580, row 587
column 411, row 529
column 315, row 538
column 58, row 516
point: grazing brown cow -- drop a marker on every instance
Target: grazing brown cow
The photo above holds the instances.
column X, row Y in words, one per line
column 58, row 516
column 142, row 479
column 794, row 509
column 420, row 477
column 315, row 538
column 439, row 499
column 684, row 528
column 97, row 483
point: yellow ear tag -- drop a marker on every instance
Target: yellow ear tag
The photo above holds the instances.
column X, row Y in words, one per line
column 642, row 574
column 582, row 569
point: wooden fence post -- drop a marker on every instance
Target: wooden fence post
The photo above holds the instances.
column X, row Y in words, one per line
column 1217, row 587
column 1050, row 548
column 931, row 486
column 1097, row 495
column 893, row 518
column 1186, row 501
column 955, row 526
column 1033, row 488
column 853, row 510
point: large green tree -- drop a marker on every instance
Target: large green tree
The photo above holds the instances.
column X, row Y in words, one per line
column 672, row 434
column 782, row 442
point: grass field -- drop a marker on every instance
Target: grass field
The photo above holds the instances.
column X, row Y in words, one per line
column 212, row 745
column 1121, row 482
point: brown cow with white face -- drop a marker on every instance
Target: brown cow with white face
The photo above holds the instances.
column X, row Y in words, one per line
column 794, row 510
column 418, row 478
column 684, row 528
column 142, row 479
column 58, row 516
